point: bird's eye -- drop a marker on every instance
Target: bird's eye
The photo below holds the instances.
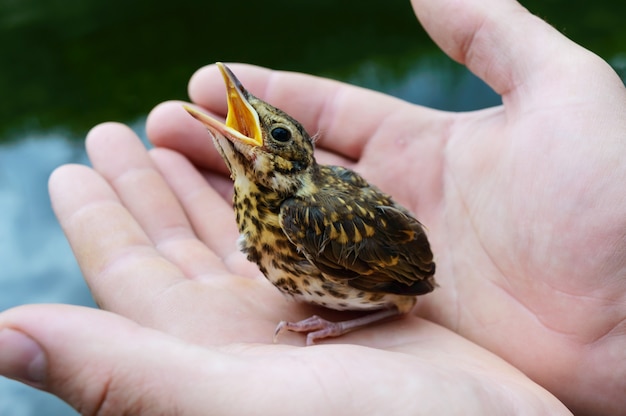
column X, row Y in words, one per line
column 281, row 134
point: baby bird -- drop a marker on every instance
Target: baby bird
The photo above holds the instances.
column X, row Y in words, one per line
column 321, row 234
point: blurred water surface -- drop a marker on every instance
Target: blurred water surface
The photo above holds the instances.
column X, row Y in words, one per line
column 67, row 65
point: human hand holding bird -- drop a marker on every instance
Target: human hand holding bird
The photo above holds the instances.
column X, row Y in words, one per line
column 525, row 210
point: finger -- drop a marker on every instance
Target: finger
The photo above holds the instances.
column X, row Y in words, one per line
column 121, row 158
column 169, row 125
column 211, row 216
column 101, row 363
column 501, row 42
column 344, row 116
column 109, row 245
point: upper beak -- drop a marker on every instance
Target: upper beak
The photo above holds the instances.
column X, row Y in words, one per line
column 242, row 121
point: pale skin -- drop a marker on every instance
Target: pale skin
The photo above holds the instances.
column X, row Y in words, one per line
column 525, row 209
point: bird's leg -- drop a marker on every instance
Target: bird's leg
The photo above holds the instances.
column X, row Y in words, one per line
column 319, row 328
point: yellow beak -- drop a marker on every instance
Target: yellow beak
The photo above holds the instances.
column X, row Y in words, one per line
column 242, row 121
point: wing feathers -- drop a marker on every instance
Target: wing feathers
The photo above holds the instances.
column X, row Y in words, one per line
column 362, row 236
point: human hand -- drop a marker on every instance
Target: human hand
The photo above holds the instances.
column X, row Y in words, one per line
column 194, row 323
column 159, row 259
column 105, row 364
column 524, row 203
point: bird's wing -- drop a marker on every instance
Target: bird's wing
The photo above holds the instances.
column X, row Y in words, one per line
column 362, row 237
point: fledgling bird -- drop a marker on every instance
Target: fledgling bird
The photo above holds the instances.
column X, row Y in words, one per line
column 321, row 234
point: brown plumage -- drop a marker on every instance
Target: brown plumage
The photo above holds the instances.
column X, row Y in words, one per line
column 321, row 234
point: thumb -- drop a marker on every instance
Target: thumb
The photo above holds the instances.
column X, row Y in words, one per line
column 101, row 363
column 506, row 46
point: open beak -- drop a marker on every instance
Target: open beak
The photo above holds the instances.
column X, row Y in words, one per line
column 242, row 121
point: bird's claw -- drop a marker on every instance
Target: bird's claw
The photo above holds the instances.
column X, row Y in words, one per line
column 315, row 327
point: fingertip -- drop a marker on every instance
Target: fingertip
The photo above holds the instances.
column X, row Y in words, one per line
column 199, row 79
column 202, row 85
column 111, row 145
column 170, row 126
column 169, row 123
column 61, row 174
column 107, row 131
column 64, row 176
column 22, row 358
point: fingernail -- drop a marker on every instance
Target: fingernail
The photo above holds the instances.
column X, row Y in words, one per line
column 21, row 358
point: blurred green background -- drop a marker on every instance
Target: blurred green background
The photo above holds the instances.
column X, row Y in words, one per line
column 67, row 65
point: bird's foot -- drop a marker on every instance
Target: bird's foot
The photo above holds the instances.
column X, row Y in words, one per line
column 315, row 328
column 318, row 328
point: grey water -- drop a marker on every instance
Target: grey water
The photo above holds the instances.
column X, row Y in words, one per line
column 67, row 65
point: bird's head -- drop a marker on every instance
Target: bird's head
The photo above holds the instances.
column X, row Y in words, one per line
column 258, row 140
